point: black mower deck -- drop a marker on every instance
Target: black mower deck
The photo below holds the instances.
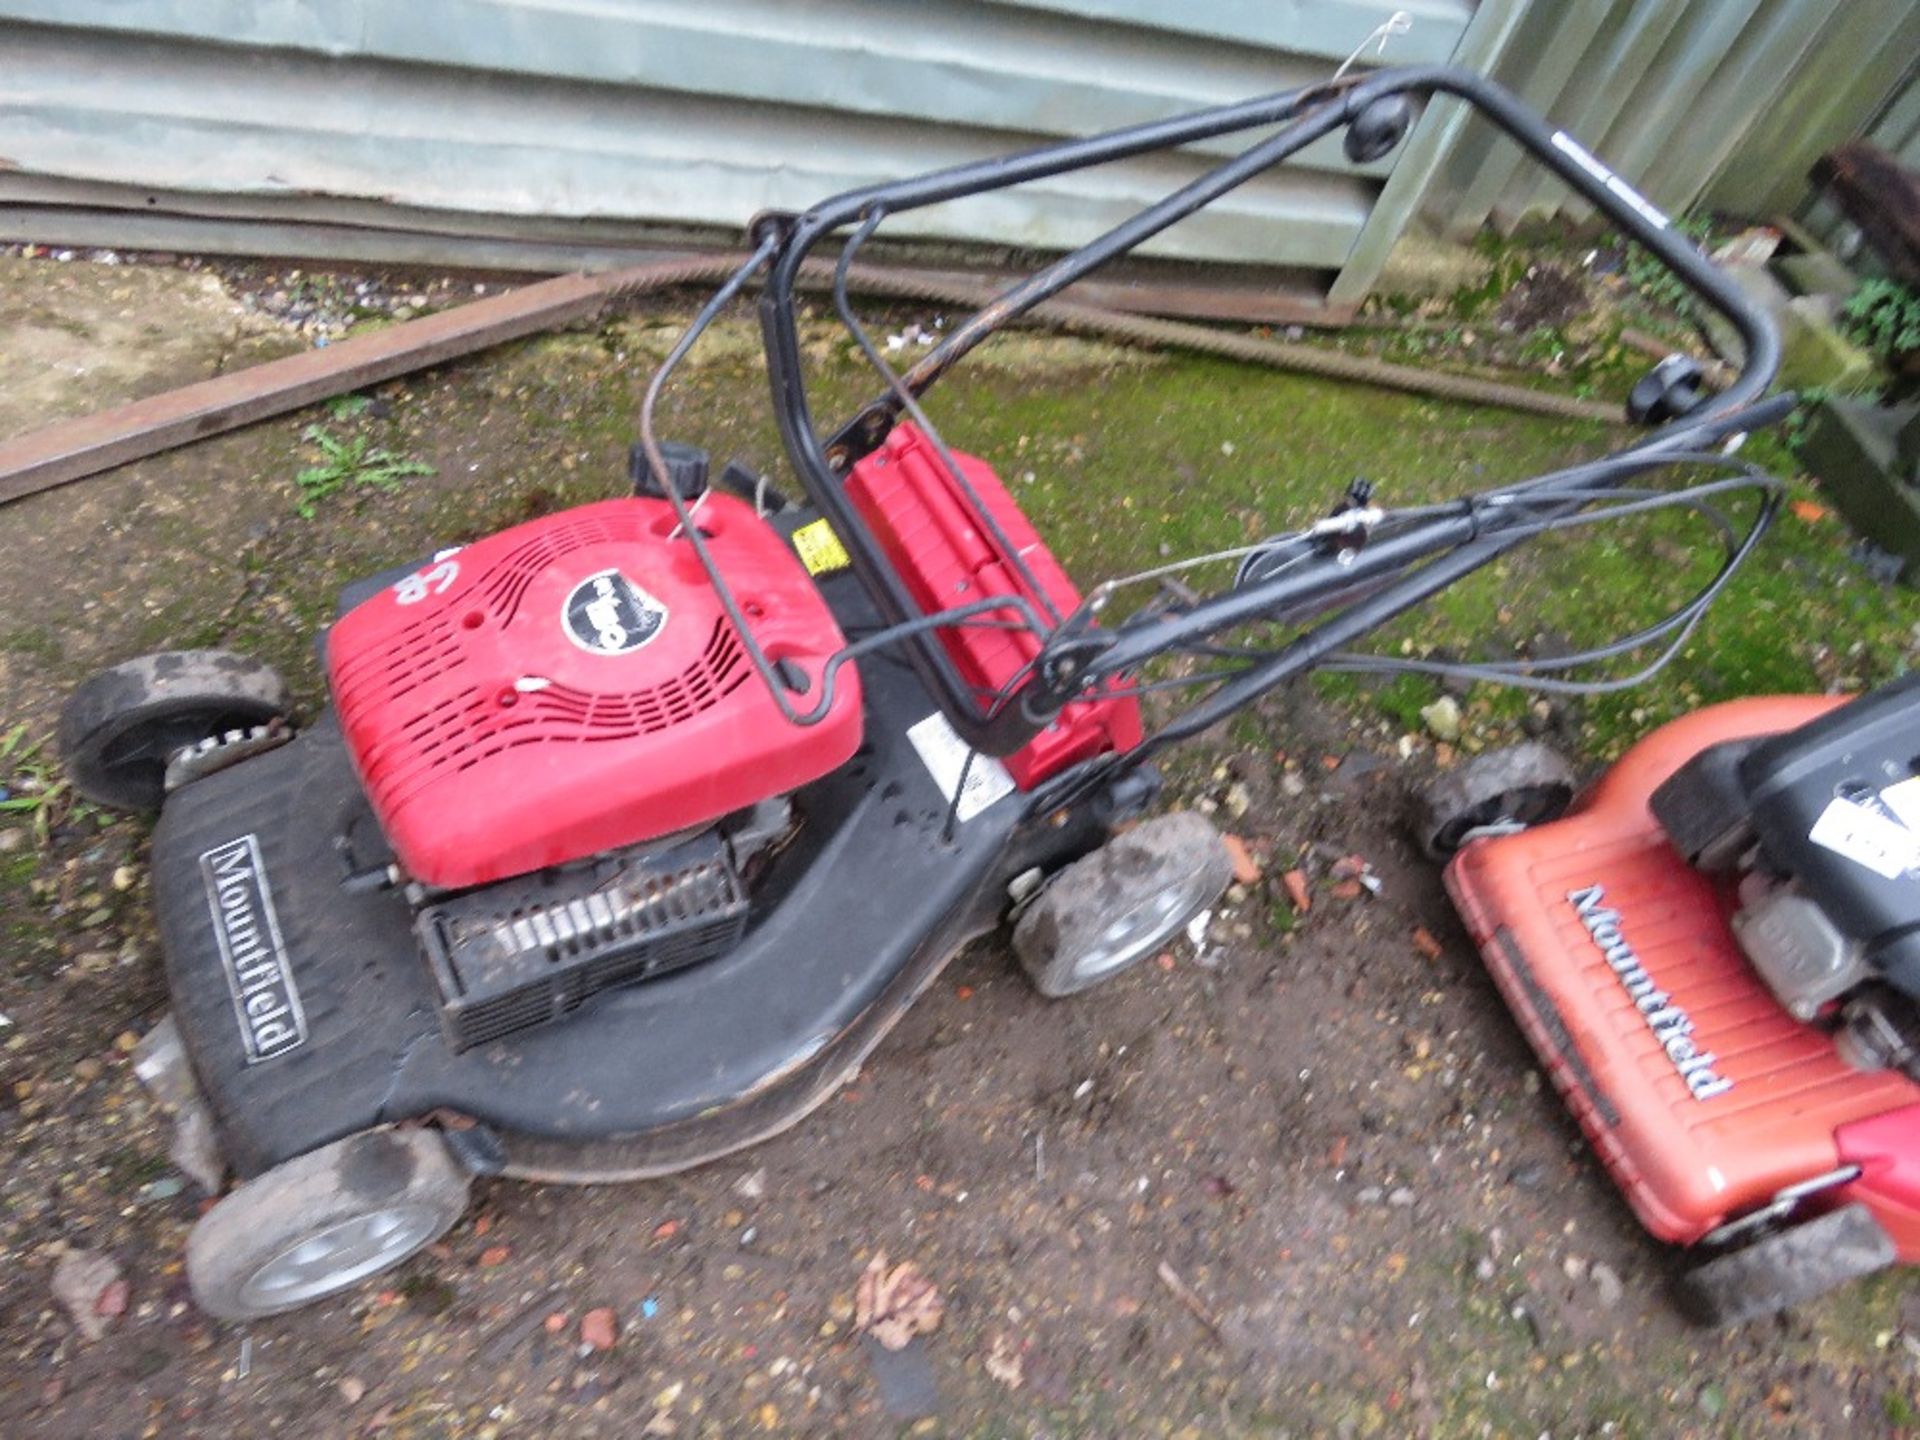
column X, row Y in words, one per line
column 309, row 1012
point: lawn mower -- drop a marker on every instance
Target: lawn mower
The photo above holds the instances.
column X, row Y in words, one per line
column 631, row 830
column 1716, row 956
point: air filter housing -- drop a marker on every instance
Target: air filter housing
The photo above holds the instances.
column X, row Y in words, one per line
column 530, row 950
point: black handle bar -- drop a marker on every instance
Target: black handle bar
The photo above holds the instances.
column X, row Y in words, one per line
column 1303, row 116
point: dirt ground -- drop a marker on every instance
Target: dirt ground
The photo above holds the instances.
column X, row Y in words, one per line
column 1377, row 1220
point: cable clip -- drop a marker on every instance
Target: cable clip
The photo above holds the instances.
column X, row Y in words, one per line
column 1348, row 528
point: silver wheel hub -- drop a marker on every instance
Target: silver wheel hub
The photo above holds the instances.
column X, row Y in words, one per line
column 337, row 1255
column 1144, row 926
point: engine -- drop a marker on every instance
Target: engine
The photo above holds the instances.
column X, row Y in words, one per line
column 573, row 686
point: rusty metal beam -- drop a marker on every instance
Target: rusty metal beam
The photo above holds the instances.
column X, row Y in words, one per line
column 72, row 449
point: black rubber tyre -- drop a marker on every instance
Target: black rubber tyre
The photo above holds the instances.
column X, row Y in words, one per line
column 323, row 1222
column 1525, row 784
column 119, row 727
column 1787, row 1267
column 1111, row 909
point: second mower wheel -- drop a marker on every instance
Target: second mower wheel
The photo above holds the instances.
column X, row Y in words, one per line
column 1112, row 908
column 119, row 728
column 1787, row 1267
column 1525, row 784
column 323, row 1222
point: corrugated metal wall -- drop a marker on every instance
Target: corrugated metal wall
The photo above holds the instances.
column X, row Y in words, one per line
column 556, row 133
column 597, row 122
column 1897, row 131
column 1719, row 104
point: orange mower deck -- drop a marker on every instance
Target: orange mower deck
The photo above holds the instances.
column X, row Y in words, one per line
column 1699, row 1092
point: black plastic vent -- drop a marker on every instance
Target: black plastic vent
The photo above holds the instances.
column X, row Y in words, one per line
column 530, row 950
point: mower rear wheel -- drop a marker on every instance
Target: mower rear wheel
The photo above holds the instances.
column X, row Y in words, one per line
column 1787, row 1267
column 1525, row 784
column 1110, row 909
column 119, row 728
column 324, row 1221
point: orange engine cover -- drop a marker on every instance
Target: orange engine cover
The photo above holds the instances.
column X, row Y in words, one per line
column 1698, row 1090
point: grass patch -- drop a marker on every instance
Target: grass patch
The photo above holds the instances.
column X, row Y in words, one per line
column 33, row 788
column 350, row 460
column 1192, row 455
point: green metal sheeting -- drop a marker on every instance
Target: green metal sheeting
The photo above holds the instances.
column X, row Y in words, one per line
column 602, row 121
column 561, row 132
column 1714, row 104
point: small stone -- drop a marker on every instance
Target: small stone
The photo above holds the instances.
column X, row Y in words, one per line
column 90, row 1289
column 1528, row 1176
column 1370, row 1195
column 556, row 1322
column 353, row 1389
column 111, row 1303
column 597, row 1330
column 1246, row 869
column 1400, row 1197
column 1237, row 799
column 753, row 1185
column 1442, row 718
column 1606, row 1280
column 12, row 839
column 125, row 877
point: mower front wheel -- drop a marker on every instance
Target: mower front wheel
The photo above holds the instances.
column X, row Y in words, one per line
column 1526, row 784
column 118, row 730
column 324, row 1221
column 1789, row 1267
column 1110, row 909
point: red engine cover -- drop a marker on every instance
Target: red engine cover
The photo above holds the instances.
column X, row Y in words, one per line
column 1781, row 1106
column 572, row 685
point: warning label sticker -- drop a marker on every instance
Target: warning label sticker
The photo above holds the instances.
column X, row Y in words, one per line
column 819, row 548
column 980, row 779
column 1867, row 838
column 1903, row 800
